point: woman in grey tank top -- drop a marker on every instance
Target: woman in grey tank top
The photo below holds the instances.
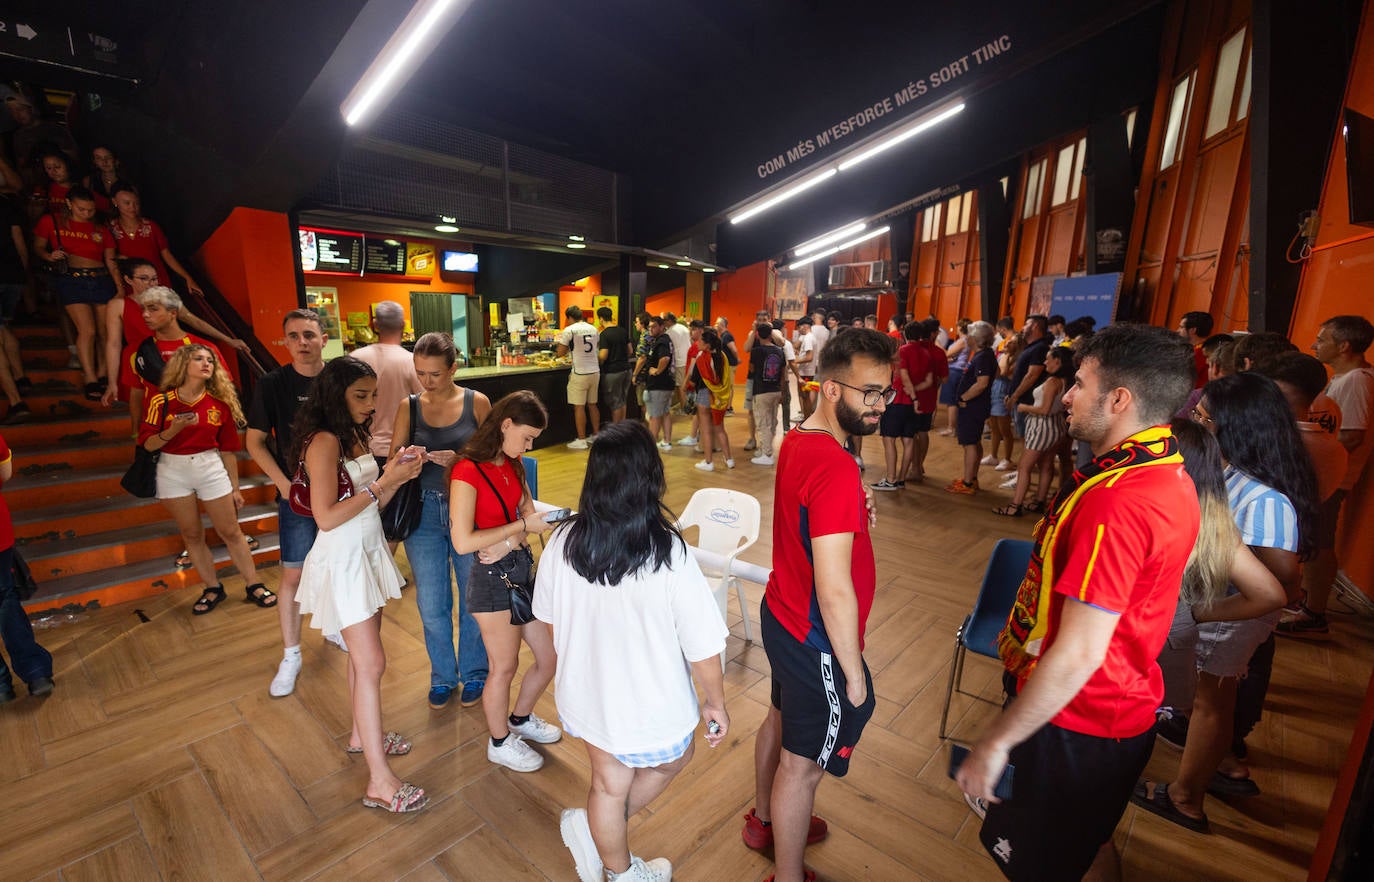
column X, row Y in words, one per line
column 446, row 416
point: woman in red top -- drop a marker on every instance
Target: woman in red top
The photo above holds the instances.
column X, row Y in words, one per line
column 52, row 193
column 492, row 513
column 193, row 422
column 91, row 277
column 136, row 236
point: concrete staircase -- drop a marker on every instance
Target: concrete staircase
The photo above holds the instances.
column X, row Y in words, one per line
column 87, row 541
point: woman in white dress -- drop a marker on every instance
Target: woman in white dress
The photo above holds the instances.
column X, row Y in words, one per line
column 349, row 574
column 634, row 623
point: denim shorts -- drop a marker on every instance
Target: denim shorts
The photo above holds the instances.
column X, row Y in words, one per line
column 487, row 591
column 1224, row 648
column 703, row 398
column 296, row 534
column 90, row 290
column 1001, row 388
column 656, row 402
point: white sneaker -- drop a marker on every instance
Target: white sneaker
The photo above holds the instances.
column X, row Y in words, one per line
column 706, row 466
column 578, row 444
column 515, row 754
column 1002, row 465
column 337, row 640
column 577, row 836
column 729, row 463
column 664, row 446
column 285, row 682
column 762, row 460
column 689, row 441
column 656, row 870
column 1009, row 481
column 980, row 808
column 988, row 460
column 538, row 730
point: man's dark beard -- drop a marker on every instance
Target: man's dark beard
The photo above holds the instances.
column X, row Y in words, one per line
column 852, row 421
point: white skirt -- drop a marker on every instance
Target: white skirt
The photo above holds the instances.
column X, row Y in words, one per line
column 349, row 573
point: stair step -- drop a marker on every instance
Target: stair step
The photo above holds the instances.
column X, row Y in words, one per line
column 44, row 375
column 86, row 424
column 134, row 581
column 71, row 455
column 89, row 485
column 36, row 527
column 128, row 545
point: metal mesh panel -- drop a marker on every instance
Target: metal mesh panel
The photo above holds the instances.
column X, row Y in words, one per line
column 410, row 166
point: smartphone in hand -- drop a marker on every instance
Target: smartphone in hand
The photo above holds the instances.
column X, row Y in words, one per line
column 557, row 515
column 958, row 753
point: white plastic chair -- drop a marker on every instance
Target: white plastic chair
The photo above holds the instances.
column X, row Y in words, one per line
column 728, row 523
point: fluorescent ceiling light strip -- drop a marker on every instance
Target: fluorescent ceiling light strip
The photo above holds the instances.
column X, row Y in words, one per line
column 812, row 259
column 835, row 236
column 901, row 136
column 864, row 238
column 784, row 195
column 395, row 57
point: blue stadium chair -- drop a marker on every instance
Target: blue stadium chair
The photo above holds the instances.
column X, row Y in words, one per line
column 978, row 633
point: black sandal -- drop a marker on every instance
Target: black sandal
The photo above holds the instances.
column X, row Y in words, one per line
column 94, row 391
column 209, row 599
column 1010, row 510
column 1037, row 506
column 1154, row 798
column 260, row 594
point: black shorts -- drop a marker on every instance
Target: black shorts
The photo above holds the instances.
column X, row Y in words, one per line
column 1069, row 792
column 968, row 425
column 487, row 591
column 898, row 421
column 818, row 722
column 923, row 421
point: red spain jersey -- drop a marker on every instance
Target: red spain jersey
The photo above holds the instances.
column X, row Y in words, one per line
column 213, row 429
column 74, row 237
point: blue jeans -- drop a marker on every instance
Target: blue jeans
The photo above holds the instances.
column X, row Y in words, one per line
column 430, row 552
column 30, row 660
column 296, row 533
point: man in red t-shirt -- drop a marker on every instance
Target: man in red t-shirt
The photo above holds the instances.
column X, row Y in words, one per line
column 160, row 309
column 1091, row 618
column 817, row 601
column 927, row 394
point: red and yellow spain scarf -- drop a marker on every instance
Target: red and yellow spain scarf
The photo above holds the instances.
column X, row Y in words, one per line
column 1022, row 639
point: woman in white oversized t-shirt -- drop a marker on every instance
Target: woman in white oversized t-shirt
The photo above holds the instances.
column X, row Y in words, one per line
column 633, row 622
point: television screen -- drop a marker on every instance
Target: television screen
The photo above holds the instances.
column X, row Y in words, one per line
column 1358, row 131
column 460, row 262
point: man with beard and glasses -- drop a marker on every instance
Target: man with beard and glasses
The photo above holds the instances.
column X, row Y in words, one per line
column 1090, row 618
column 817, row 602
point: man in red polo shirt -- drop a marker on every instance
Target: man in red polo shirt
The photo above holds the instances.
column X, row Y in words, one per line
column 1196, row 327
column 1091, row 617
column 817, row 602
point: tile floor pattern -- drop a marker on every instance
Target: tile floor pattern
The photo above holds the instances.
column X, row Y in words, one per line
column 161, row 756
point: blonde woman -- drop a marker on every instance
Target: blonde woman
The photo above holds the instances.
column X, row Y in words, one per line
column 193, row 422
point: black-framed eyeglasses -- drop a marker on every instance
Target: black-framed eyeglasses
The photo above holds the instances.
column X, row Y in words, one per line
column 1200, row 417
column 144, row 278
column 872, row 396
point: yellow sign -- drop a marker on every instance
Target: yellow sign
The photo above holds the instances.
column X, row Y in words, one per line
column 610, row 301
column 420, row 260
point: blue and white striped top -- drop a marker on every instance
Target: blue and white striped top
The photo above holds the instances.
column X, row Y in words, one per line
column 1265, row 517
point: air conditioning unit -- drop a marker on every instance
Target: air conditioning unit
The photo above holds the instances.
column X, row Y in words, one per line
column 858, row 275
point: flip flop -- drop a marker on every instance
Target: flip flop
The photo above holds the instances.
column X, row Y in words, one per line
column 408, row 798
column 1224, row 785
column 1154, row 798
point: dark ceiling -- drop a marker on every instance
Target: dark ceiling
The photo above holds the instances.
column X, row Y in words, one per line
column 686, row 98
column 689, row 97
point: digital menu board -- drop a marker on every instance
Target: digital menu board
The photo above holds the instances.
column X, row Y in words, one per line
column 331, row 251
column 384, row 257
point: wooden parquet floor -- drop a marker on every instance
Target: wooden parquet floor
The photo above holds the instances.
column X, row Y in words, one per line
column 160, row 756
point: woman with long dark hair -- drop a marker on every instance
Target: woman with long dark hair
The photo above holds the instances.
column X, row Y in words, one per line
column 1271, row 490
column 492, row 514
column 1046, row 429
column 349, row 575
column 628, row 604
column 447, row 415
column 710, row 375
column 194, row 424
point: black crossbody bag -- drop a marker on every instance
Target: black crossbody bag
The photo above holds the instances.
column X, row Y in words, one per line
column 521, row 590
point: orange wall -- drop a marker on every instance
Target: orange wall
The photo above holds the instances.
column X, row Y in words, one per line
column 249, row 260
column 674, row 301
column 1339, row 279
column 582, row 294
column 738, row 296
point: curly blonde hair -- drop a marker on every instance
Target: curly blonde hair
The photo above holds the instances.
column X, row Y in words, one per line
column 219, row 386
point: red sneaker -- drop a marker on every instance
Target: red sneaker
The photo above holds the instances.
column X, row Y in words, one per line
column 758, row 836
column 809, row 877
